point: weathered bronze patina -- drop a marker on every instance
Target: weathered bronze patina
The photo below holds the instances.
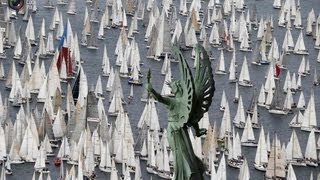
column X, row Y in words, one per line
column 193, row 97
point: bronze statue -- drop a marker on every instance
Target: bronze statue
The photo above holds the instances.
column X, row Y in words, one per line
column 192, row 99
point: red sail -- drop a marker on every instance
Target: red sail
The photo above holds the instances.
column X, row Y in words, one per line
column 277, row 70
column 65, row 55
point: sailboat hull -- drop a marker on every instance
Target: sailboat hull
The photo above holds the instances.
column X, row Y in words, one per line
column 301, row 52
column 234, row 164
column 249, row 144
column 312, row 163
column 245, row 84
column 48, row 7
column 165, row 175
column 296, row 162
column 151, row 170
column 3, row 56
column 260, row 167
column 107, row 169
column 309, row 129
column 276, row 111
column 17, row 161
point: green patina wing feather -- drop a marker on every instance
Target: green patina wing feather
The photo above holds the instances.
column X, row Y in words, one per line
column 187, row 85
column 203, row 87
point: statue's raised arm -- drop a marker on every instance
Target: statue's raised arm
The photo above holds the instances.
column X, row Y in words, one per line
column 155, row 94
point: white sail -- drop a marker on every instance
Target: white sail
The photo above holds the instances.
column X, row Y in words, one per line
column 311, row 150
column 291, row 174
column 223, row 101
column 41, row 158
column 300, row 47
column 309, row 121
column 225, row 128
column 293, row 150
column 236, row 94
column 248, row 138
column 244, row 78
column 64, row 150
column 105, row 163
column 18, row 49
column 29, row 148
column 98, row 89
column 232, row 68
column 261, row 157
column 239, row 119
column 3, row 148
column 221, row 67
column 222, row 169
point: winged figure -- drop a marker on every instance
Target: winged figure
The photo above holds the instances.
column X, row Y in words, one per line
column 193, row 97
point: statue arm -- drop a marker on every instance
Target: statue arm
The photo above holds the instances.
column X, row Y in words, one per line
column 158, row 96
column 155, row 94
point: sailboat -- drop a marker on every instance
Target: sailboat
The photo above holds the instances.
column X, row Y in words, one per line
column 296, row 120
column 2, row 72
column 297, row 21
column 247, row 138
column 7, row 167
column 239, row 119
column 2, row 51
column 134, row 77
column 310, row 119
column 225, row 128
column 72, row 7
column 300, row 47
column 221, row 70
column 311, row 150
column 261, row 158
column 291, row 174
column 277, row 104
column 244, row 78
column 101, row 28
column 40, row 164
column 244, row 171
column 236, row 94
column 18, row 49
column 48, row 4
column 262, row 97
column 62, row 2
column 235, row 158
column 232, row 69
column 151, row 162
column 277, row 4
column 276, row 162
column 223, row 101
column 163, row 166
column 293, row 151
column 92, row 42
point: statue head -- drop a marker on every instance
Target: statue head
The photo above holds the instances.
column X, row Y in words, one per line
column 175, row 87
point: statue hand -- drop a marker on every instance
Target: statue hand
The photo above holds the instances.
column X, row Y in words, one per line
column 149, row 76
column 149, row 86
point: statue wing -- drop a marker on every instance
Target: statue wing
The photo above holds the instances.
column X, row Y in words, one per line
column 203, row 87
column 187, row 85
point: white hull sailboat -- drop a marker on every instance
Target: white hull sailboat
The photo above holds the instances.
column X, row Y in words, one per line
column 311, row 150
column 244, row 79
column 261, row 159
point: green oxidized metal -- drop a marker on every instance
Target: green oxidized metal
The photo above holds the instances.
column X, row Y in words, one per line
column 193, row 97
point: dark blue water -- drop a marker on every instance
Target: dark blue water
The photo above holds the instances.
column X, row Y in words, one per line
column 92, row 68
